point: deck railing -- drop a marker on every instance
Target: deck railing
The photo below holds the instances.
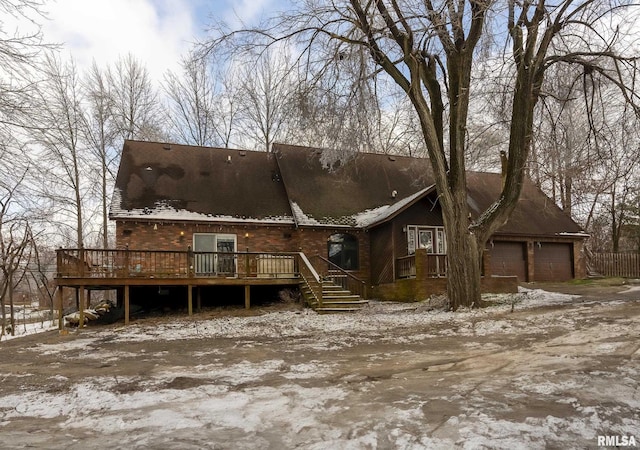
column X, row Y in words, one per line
column 101, row 263
column 339, row 276
column 406, row 266
column 311, row 278
column 432, row 265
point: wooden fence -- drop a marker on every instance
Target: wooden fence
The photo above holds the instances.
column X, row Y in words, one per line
column 625, row 265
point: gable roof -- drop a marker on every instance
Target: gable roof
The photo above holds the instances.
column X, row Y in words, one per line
column 178, row 182
column 357, row 193
column 534, row 215
column 159, row 181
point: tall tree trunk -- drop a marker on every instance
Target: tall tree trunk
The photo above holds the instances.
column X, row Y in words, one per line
column 615, row 234
column 4, row 311
column 463, row 271
column 105, row 217
column 12, row 319
column 78, row 197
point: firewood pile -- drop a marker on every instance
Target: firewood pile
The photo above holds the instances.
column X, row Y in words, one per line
column 90, row 314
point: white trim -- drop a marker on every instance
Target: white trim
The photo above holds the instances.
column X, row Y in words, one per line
column 413, row 231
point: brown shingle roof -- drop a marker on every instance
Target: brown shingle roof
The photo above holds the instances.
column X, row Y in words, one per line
column 364, row 185
column 170, row 182
column 535, row 215
column 177, row 182
column 337, row 197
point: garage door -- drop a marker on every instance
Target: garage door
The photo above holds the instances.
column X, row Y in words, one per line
column 508, row 258
column 553, row 262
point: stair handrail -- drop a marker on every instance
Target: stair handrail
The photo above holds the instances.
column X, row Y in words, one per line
column 360, row 283
column 310, row 277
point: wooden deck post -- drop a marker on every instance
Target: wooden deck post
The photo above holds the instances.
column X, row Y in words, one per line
column 190, row 299
column 81, row 309
column 199, row 299
column 126, row 262
column 126, row 304
column 247, row 296
column 60, row 305
column 81, row 261
column 190, row 262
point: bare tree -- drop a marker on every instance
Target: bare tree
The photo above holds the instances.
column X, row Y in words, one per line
column 228, row 107
column 15, row 240
column 62, row 162
column 19, row 51
column 192, row 99
column 100, row 134
column 267, row 88
column 136, row 110
column 585, row 151
column 429, row 50
column 42, row 270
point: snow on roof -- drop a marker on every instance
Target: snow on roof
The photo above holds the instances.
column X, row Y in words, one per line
column 362, row 219
column 303, row 219
column 373, row 216
column 579, row 234
column 164, row 211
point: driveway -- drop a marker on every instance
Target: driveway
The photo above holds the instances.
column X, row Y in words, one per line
column 557, row 372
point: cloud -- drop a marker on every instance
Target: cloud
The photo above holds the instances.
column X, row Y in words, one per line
column 157, row 32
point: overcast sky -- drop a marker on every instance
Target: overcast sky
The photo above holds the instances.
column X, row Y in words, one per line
column 157, row 32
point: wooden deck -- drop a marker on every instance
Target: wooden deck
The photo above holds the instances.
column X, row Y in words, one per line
column 86, row 270
column 89, row 269
column 105, row 268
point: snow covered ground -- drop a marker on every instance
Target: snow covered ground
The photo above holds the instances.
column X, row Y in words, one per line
column 392, row 376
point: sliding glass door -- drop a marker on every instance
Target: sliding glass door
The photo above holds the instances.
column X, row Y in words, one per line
column 214, row 254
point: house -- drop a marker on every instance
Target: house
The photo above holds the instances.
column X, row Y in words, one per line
column 236, row 217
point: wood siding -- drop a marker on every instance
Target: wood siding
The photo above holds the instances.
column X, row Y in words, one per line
column 389, row 240
column 382, row 260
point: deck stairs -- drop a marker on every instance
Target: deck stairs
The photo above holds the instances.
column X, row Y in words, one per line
column 335, row 299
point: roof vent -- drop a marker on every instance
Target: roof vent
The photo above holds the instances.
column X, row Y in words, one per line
column 167, row 146
column 391, row 158
column 242, row 153
column 394, row 193
column 228, row 159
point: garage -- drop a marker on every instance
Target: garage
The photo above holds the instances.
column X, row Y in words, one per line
column 553, row 261
column 508, row 259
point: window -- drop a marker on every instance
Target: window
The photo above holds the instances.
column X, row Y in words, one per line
column 441, row 242
column 431, row 239
column 343, row 251
column 425, row 240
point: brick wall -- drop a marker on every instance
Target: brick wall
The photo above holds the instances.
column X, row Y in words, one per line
column 424, row 285
column 137, row 235
column 313, row 241
column 418, row 289
column 179, row 236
